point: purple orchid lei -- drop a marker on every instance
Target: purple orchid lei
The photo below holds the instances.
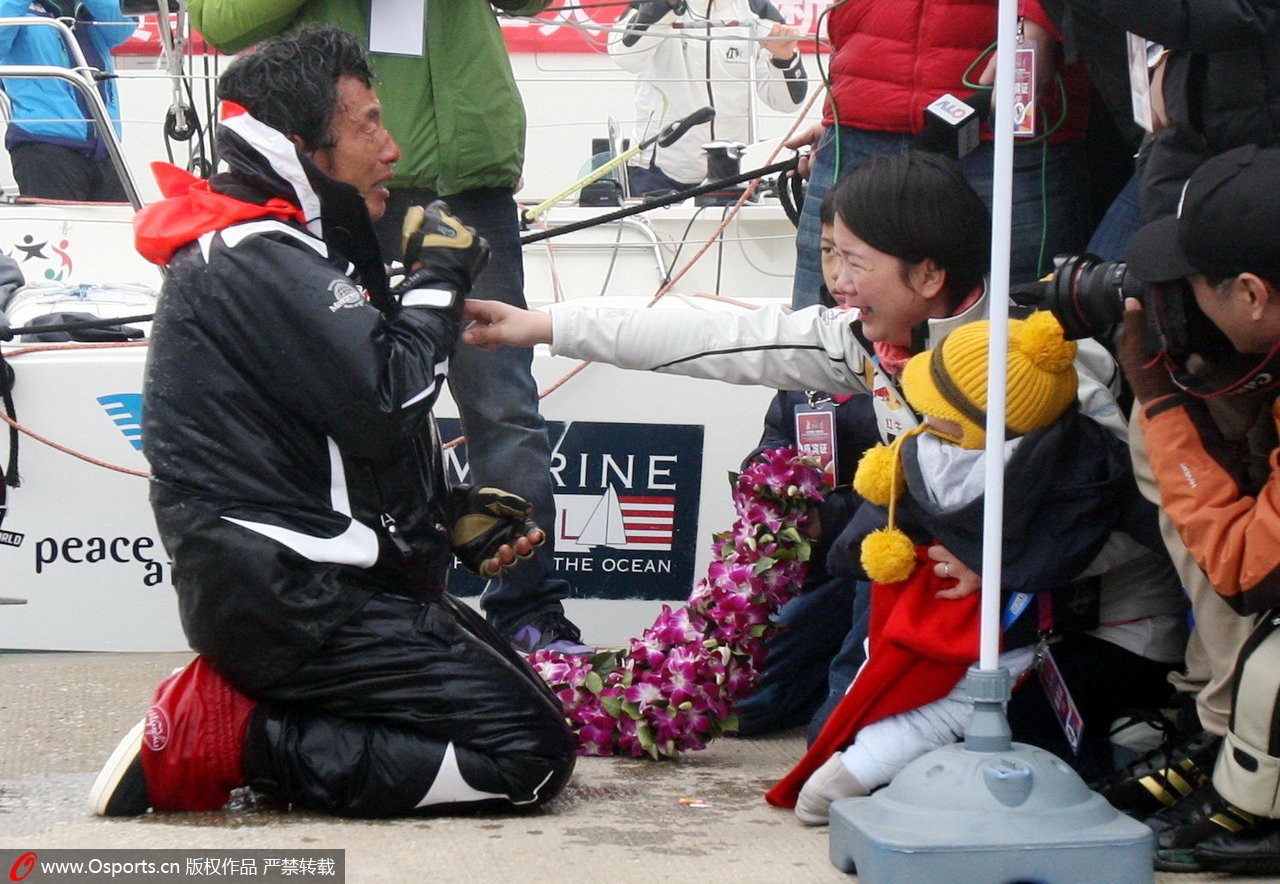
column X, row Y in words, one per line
column 676, row 687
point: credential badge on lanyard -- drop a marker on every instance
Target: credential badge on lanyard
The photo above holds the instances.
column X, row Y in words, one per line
column 816, row 433
column 398, row 27
column 1055, row 689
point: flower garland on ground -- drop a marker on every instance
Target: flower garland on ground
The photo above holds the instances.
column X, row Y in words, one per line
column 675, row 688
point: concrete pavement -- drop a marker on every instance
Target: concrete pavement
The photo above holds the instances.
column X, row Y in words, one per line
column 701, row 818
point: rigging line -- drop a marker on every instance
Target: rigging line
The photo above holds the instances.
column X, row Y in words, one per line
column 729, row 215
column 557, row 287
column 658, row 202
column 683, row 32
column 72, row 345
column 576, row 7
column 65, row 450
column 732, row 213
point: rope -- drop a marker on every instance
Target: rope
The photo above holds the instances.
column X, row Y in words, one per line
column 15, row 426
column 754, row 177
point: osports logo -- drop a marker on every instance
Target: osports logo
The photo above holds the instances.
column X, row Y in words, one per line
column 23, row 866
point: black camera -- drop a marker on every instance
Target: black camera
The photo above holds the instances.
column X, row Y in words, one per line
column 1087, row 296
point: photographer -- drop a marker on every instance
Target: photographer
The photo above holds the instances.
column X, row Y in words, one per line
column 1211, row 418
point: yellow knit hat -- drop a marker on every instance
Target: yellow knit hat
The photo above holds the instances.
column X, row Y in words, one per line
column 950, row 381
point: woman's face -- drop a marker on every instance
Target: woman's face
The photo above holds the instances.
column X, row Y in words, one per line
column 873, row 281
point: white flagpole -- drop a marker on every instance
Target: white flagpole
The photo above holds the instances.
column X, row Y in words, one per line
column 1001, row 225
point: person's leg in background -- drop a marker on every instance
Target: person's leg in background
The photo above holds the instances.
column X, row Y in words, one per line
column 1123, row 217
column 847, row 661
column 1047, row 217
column 51, row 171
column 1218, row 632
column 793, row 682
column 507, row 444
column 107, row 186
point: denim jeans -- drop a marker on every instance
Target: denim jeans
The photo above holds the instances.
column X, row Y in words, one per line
column 1123, row 218
column 642, row 181
column 812, row 658
column 507, row 444
column 1041, row 228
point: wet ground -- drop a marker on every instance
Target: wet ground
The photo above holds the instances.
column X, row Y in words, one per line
column 701, row 818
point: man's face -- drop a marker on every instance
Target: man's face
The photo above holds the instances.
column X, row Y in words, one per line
column 1245, row 308
column 363, row 149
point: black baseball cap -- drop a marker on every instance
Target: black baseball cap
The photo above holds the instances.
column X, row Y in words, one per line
column 1228, row 222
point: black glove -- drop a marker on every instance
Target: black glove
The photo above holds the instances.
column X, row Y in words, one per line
column 483, row 520
column 1147, row 375
column 441, row 256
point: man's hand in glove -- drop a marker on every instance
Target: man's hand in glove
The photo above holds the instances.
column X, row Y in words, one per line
column 1147, row 376
column 443, row 258
column 491, row 529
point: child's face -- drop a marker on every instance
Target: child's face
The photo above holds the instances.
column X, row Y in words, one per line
column 831, row 265
column 946, row 429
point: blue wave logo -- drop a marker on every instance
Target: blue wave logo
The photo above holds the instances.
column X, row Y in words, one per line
column 126, row 410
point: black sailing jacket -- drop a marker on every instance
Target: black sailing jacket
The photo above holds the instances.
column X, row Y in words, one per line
column 287, row 421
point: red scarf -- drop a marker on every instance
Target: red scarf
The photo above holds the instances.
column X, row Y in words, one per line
column 920, row 647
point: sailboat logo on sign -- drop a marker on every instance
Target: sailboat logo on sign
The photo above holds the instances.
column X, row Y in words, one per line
column 617, row 521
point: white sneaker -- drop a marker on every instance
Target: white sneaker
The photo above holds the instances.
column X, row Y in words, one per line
column 826, row 784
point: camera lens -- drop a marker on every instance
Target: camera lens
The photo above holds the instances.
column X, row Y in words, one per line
column 1088, row 295
column 1085, row 293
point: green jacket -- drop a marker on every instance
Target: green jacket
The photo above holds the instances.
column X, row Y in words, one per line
column 455, row 112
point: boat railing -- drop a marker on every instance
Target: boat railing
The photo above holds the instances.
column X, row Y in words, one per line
column 649, row 241
column 84, row 79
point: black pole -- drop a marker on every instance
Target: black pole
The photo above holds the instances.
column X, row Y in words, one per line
column 658, row 203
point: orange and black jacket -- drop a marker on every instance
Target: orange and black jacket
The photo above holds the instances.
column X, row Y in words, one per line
column 1229, row 522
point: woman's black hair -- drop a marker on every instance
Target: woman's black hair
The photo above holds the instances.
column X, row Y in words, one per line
column 291, row 83
column 917, row 206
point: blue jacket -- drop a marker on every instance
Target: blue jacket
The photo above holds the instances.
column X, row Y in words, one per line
column 51, row 110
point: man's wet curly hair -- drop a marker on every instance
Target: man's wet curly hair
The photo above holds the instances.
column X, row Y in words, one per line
column 290, row 83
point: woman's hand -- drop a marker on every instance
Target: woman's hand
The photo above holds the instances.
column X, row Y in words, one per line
column 948, row 567
column 493, row 323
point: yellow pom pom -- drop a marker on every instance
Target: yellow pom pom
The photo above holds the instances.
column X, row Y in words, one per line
column 876, row 479
column 888, row 555
column 1043, row 343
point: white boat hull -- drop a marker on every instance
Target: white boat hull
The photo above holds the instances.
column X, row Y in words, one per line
column 80, row 552
column 81, row 565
